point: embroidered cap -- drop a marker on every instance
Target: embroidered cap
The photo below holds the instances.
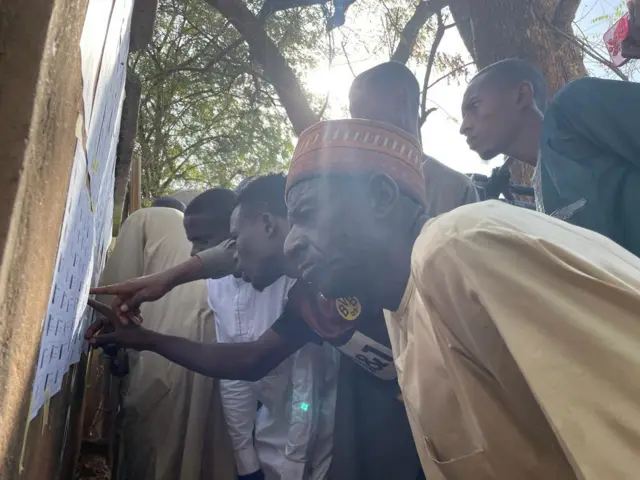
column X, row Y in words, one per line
column 359, row 146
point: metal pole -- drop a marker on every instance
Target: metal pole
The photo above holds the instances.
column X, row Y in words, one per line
column 135, row 197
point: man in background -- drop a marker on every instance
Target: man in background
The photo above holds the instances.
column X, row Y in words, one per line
column 585, row 145
column 206, row 218
column 172, row 422
column 390, row 93
column 169, row 202
column 286, row 438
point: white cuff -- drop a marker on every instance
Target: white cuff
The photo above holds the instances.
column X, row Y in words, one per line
column 247, row 461
column 292, row 470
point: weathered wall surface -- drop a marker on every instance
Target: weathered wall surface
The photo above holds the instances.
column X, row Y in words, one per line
column 40, row 99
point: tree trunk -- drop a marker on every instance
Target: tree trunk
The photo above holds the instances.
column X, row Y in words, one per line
column 535, row 30
column 424, row 11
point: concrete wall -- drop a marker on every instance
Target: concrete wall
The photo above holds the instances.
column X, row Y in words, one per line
column 40, row 99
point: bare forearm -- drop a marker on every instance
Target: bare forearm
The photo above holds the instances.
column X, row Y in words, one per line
column 230, row 361
column 186, row 272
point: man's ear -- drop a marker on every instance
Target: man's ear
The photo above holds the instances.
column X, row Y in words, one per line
column 384, row 194
column 269, row 224
column 525, row 97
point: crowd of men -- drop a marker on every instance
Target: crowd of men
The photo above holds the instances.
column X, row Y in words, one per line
column 373, row 320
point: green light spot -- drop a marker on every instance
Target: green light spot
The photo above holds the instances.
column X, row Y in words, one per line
column 304, row 406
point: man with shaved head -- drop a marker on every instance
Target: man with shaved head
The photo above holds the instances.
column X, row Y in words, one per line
column 585, row 145
column 206, row 218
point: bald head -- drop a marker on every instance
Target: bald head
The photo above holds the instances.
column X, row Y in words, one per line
column 169, row 202
column 206, row 219
column 387, row 93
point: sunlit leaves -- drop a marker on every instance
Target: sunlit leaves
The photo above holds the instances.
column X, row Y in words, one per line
column 207, row 116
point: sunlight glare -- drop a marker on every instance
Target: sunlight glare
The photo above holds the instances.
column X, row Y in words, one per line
column 322, row 80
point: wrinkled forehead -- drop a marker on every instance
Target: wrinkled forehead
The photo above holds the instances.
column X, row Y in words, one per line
column 331, row 193
column 302, row 192
column 478, row 87
column 488, row 86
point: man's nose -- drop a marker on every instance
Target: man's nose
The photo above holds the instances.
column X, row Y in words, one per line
column 465, row 127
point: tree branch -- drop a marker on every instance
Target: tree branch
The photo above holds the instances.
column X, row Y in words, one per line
column 185, row 66
column 275, row 66
column 564, row 13
column 424, row 113
column 424, row 11
column 346, row 56
column 450, row 73
column 591, row 52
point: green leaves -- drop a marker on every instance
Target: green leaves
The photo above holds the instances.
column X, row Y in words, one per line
column 207, row 116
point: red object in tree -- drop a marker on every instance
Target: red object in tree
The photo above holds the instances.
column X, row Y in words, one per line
column 613, row 39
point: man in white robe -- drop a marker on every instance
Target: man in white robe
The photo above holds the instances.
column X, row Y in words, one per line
column 172, row 422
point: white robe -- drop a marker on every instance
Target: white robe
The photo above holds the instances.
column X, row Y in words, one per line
column 172, row 423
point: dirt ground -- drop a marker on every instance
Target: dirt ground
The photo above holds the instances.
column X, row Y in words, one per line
column 92, row 467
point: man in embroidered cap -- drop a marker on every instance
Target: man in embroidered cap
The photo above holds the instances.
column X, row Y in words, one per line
column 515, row 335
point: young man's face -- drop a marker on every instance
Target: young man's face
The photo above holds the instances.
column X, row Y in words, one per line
column 332, row 237
column 259, row 243
column 489, row 118
column 204, row 232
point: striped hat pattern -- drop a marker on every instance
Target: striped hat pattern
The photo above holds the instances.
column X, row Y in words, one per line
column 359, row 146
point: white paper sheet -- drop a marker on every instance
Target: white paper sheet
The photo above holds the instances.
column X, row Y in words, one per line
column 86, row 228
column 70, row 286
column 92, row 42
column 107, row 105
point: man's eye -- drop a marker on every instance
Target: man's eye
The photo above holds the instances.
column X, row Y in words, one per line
column 306, row 215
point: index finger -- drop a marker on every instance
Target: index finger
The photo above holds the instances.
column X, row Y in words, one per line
column 94, row 328
column 106, row 290
column 102, row 308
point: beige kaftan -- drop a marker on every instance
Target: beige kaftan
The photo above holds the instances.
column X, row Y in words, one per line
column 446, row 188
column 172, row 425
column 518, row 349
